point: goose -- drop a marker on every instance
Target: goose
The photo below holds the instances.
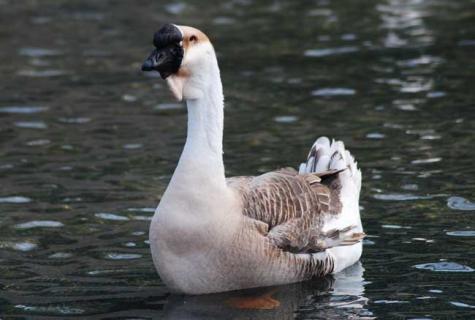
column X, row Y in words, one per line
column 213, row 234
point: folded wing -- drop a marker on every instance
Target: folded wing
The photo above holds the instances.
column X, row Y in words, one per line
column 294, row 207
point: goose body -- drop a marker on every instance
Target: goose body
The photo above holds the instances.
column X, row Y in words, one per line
column 211, row 233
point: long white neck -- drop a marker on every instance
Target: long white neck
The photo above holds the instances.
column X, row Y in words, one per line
column 202, row 157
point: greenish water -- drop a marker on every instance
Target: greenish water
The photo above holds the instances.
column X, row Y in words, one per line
column 88, row 144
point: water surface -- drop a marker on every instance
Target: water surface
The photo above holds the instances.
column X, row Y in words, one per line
column 88, row 144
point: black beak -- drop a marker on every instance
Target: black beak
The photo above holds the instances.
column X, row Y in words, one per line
column 151, row 63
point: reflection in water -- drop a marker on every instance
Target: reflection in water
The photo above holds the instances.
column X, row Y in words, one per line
column 404, row 23
column 338, row 297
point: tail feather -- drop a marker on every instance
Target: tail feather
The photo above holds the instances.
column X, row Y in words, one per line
column 325, row 155
column 329, row 159
column 322, row 163
column 341, row 237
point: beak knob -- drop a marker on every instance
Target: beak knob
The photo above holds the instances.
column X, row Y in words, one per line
column 168, row 53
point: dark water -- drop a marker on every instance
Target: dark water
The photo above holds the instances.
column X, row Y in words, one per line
column 88, row 144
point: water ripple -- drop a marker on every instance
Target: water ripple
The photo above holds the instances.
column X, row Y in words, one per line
column 23, row 109
column 330, row 92
column 39, row 52
column 41, row 73
column 78, row 120
column 462, row 305
column 129, row 98
column 31, row 124
column 224, row 21
column 175, row 8
column 39, row 142
column 459, row 203
column 399, row 197
column 39, row 224
column 15, row 199
column 423, row 60
column 395, row 226
column 141, row 210
column 444, row 267
column 286, row 119
column 317, row 53
column 435, row 94
column 132, row 146
column 168, row 106
column 424, row 161
column 461, row 233
column 123, row 256
column 389, row 301
column 63, row 310
column 111, row 216
column 375, row 135
column 142, row 218
column 60, row 255
column 24, row 246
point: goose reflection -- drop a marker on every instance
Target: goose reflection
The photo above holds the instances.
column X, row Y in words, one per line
column 334, row 297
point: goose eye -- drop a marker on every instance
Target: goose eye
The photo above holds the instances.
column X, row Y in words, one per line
column 193, row 38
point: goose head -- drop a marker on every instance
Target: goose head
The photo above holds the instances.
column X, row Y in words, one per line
column 184, row 57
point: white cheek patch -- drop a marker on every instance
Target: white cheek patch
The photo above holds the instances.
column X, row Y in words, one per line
column 194, row 55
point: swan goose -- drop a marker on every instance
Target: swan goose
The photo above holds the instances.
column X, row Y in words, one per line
column 211, row 233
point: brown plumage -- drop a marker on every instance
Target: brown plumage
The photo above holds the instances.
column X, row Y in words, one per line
column 289, row 209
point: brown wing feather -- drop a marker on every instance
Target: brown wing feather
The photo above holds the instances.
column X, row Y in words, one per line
column 292, row 205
